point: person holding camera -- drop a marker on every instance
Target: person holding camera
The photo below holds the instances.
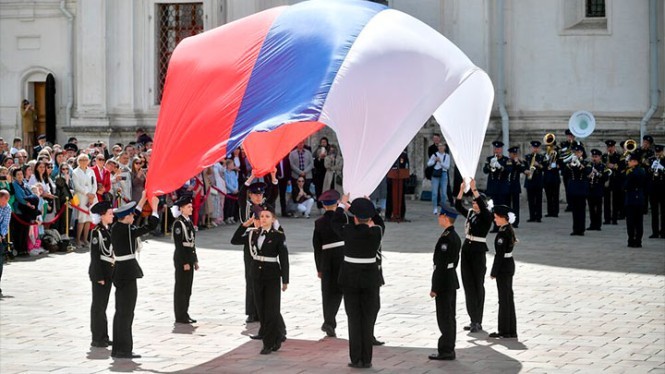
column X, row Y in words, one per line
column 441, row 163
column 29, row 115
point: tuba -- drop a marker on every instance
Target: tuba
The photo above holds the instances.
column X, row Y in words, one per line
column 581, row 124
column 551, row 154
column 630, row 145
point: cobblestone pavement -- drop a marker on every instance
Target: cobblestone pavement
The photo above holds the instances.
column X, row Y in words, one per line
column 584, row 304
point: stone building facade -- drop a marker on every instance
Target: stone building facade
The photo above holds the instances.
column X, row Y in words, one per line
column 547, row 59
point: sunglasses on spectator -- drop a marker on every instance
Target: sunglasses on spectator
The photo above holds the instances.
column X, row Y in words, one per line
column 301, row 181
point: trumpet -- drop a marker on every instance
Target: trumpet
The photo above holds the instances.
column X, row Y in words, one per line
column 630, row 145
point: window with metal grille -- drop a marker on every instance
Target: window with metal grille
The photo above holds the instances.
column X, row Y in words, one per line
column 175, row 22
column 595, row 8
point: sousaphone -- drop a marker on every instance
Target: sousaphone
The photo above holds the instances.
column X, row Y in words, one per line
column 582, row 124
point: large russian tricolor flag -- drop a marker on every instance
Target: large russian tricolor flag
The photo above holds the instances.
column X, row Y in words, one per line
column 268, row 81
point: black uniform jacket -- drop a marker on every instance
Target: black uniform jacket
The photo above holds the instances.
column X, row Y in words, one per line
column 578, row 185
column 274, row 245
column 536, row 180
column 360, row 241
column 324, row 234
column 446, row 258
column 184, row 238
column 245, row 205
column 477, row 224
column 633, row 186
column 100, row 245
column 504, row 264
column 124, row 240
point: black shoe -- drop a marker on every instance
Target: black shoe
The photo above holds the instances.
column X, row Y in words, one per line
column 503, row 336
column 276, row 347
column 528, row 220
column 125, row 355
column 191, row 320
column 467, row 328
column 359, row 365
column 654, row 236
column 98, row 344
column 329, row 330
column 538, row 220
column 476, row 327
column 377, row 342
column 252, row 318
column 366, row 365
column 185, row 321
column 256, row 337
column 266, row 351
column 442, row 356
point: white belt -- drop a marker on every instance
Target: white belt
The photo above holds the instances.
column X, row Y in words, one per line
column 265, row 259
column 508, row 255
column 106, row 258
column 187, row 244
column 451, row 265
column 476, row 239
column 125, row 258
column 355, row 260
column 332, row 245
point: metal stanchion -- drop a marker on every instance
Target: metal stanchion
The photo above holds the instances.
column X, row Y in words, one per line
column 70, row 245
column 166, row 220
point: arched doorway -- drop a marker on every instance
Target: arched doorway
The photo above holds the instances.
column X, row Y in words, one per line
column 38, row 87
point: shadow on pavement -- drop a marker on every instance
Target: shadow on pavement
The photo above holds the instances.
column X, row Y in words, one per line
column 181, row 328
column 331, row 356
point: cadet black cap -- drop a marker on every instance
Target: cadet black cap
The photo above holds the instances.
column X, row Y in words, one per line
column 596, row 152
column 71, row 147
column 568, row 132
column 577, row 147
column 502, row 210
column 535, row 143
column 514, row 149
column 101, row 207
column 261, row 208
column 497, row 144
column 362, row 208
column 658, row 147
column 183, row 200
column 125, row 210
column 448, row 211
column 610, row 142
column 258, row 187
column 329, row 197
column 648, row 138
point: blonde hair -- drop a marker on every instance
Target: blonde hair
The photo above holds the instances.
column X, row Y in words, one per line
column 81, row 157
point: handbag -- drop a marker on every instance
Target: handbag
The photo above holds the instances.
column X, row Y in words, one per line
column 428, row 172
column 338, row 179
column 75, row 200
column 437, row 173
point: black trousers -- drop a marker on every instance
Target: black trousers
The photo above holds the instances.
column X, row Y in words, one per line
column 612, row 204
column 578, row 204
column 182, row 292
column 658, row 212
column 566, row 178
column 282, row 183
column 98, row 321
column 507, row 319
column 552, row 196
column 473, row 264
column 634, row 223
column 125, row 303
column 331, row 293
column 535, row 199
column 250, row 307
column 513, row 201
column 19, row 235
column 268, row 298
column 231, row 207
column 595, row 211
column 362, row 307
column 445, row 318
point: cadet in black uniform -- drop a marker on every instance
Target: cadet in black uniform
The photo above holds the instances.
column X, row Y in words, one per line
column 516, row 167
column 328, row 255
column 503, row 270
column 552, row 180
column 445, row 284
column 184, row 258
column 101, row 271
column 250, row 196
column 497, row 179
column 578, row 189
column 656, row 184
column 613, row 194
column 473, row 262
column 646, row 152
column 633, row 187
column 567, row 147
column 359, row 275
column 124, row 237
column 269, row 268
column 597, row 181
column 534, row 182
